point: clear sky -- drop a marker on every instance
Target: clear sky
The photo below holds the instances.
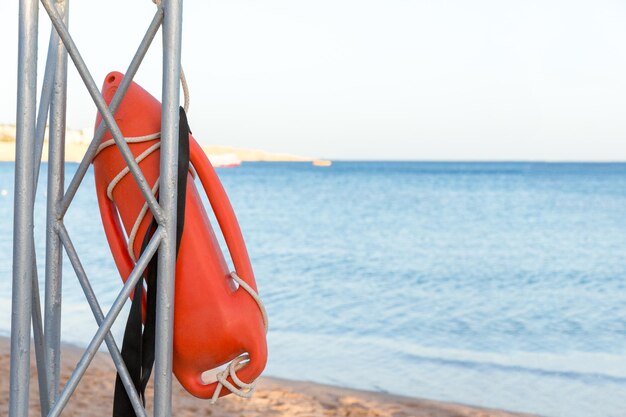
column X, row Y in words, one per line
column 373, row 79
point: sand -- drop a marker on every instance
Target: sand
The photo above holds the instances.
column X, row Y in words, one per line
column 274, row 397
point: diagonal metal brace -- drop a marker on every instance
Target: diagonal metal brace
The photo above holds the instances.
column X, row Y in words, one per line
column 108, row 118
column 105, row 327
column 115, row 102
column 99, row 316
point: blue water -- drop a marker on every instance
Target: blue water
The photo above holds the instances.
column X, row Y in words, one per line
column 494, row 284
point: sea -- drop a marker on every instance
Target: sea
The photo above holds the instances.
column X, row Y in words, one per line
column 493, row 284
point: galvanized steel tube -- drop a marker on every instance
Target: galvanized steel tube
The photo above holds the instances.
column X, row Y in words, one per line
column 23, row 252
column 172, row 34
column 42, row 118
column 54, row 250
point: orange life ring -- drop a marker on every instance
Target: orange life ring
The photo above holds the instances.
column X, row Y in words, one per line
column 214, row 321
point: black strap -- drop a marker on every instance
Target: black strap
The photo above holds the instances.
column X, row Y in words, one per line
column 138, row 347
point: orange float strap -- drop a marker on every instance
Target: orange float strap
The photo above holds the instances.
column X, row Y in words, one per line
column 218, row 317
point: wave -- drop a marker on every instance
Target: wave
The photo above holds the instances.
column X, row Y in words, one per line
column 590, row 367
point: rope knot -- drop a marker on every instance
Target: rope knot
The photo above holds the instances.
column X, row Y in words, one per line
column 238, row 387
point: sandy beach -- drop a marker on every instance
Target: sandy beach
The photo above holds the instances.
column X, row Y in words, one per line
column 274, row 397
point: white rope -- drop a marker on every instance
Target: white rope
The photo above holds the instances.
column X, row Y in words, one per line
column 137, row 139
column 239, row 388
column 126, row 169
column 140, row 217
column 183, row 83
column 120, row 175
column 254, row 295
column 145, row 154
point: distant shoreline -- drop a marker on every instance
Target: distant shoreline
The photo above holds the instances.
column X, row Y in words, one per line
column 77, row 142
column 74, row 152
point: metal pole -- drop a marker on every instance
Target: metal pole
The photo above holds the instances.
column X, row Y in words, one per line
column 172, row 33
column 42, row 117
column 23, row 209
column 56, row 178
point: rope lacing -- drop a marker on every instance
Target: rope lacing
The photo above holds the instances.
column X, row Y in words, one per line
column 141, row 157
column 120, row 175
column 239, row 388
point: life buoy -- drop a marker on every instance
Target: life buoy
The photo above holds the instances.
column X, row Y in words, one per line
column 216, row 320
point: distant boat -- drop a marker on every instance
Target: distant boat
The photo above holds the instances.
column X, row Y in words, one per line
column 322, row 163
column 225, row 160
